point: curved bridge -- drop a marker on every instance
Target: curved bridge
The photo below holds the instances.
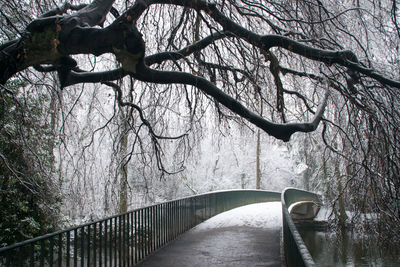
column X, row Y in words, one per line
column 128, row 238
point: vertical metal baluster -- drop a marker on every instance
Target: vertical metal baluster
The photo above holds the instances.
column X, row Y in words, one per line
column 126, row 220
column 8, row 260
column 142, row 232
column 190, row 212
column 94, row 244
column 178, row 209
column 166, row 222
column 119, row 240
column 88, row 245
column 175, row 222
column 100, row 243
column 135, row 236
column 42, row 253
column 181, row 216
column 173, row 219
column 209, row 206
column 153, row 224
column 142, row 219
column 163, row 223
column 131, row 256
column 128, row 239
column 124, row 241
column 158, row 226
column 75, row 247
column 145, row 220
column 111, row 243
column 115, row 241
column 204, row 209
column 148, row 233
column 139, row 225
column 153, row 227
column 20, row 256
column 60, row 250
column 169, row 222
column 51, row 251
column 185, row 213
column 178, row 221
column 32, row 255
column 127, row 247
column 193, row 212
column 106, row 244
column 68, row 248
column 82, row 246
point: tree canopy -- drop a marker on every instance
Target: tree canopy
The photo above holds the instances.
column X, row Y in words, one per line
column 54, row 37
column 283, row 66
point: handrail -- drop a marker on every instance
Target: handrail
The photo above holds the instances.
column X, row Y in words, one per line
column 296, row 252
column 126, row 239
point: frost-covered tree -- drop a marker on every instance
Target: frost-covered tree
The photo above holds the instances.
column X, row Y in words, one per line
column 294, row 59
column 29, row 201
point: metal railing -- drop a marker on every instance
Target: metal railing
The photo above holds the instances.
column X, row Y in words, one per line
column 296, row 252
column 127, row 238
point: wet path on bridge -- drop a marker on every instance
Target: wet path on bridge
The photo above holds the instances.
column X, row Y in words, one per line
column 228, row 241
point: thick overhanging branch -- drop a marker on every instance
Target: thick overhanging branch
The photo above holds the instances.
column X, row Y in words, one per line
column 91, row 15
column 345, row 58
column 279, row 131
column 95, row 77
column 63, row 9
column 186, row 51
column 48, row 41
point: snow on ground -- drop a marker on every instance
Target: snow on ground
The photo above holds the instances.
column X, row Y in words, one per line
column 326, row 211
column 260, row 215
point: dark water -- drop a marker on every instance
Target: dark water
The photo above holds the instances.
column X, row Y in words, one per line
column 329, row 249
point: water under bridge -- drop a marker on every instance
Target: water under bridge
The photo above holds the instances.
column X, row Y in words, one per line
column 163, row 235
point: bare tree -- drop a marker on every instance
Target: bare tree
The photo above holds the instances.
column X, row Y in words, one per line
column 187, row 54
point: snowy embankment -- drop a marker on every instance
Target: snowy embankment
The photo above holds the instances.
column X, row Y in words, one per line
column 261, row 215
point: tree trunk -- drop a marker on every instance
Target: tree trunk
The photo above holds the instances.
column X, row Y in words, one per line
column 123, row 193
column 342, row 210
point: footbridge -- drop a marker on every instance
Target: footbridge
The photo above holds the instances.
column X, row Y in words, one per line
column 161, row 235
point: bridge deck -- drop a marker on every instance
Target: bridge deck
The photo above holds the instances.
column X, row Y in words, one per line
column 222, row 246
